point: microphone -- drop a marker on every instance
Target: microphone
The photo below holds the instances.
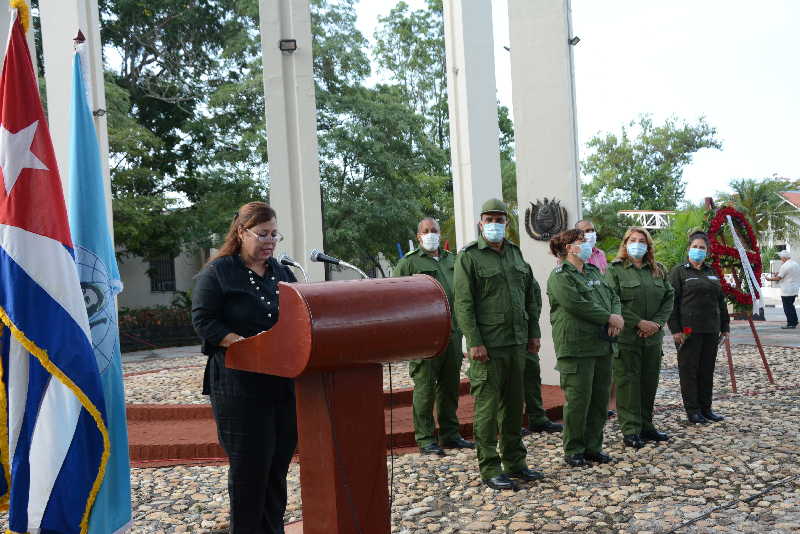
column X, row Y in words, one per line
column 318, row 255
column 285, row 259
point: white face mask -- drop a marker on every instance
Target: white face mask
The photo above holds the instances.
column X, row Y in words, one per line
column 591, row 238
column 430, row 242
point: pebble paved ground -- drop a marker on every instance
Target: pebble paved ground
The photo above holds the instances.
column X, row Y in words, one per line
column 742, row 475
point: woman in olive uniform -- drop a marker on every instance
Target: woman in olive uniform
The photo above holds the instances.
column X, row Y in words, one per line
column 585, row 314
column 646, row 298
column 698, row 323
column 236, row 296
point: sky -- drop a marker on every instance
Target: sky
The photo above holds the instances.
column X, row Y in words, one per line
column 735, row 62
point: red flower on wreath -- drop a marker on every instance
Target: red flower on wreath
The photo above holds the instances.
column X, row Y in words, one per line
column 725, row 257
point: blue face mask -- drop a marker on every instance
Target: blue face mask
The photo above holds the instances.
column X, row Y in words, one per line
column 585, row 252
column 494, row 232
column 636, row 250
column 697, row 254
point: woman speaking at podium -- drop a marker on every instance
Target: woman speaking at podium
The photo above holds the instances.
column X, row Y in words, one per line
column 236, row 296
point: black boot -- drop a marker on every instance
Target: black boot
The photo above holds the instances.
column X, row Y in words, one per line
column 711, row 416
column 697, row 418
column 633, row 440
column 653, row 435
column 433, row 448
column 501, row 482
column 575, row 460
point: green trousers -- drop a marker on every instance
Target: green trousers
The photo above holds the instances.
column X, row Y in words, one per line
column 496, row 385
column 636, row 372
column 586, row 383
column 534, row 411
column 436, row 383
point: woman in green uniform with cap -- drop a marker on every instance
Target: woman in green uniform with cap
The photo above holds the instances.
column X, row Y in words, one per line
column 585, row 314
column 646, row 296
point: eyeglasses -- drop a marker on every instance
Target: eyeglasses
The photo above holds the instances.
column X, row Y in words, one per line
column 274, row 237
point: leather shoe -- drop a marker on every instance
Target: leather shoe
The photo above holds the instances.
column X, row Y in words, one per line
column 501, row 482
column 711, row 416
column 458, row 443
column 433, row 448
column 599, row 457
column 524, row 431
column 654, row 435
column 787, row 327
column 633, row 440
column 575, row 460
column 548, row 427
column 527, row 475
column 696, row 418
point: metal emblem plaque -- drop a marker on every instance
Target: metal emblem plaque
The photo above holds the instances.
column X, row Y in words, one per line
column 545, row 219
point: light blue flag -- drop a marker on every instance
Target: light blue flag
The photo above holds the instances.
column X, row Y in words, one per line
column 100, row 281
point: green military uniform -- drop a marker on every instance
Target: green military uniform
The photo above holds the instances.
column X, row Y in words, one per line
column 496, row 307
column 535, row 416
column 436, row 380
column 580, row 306
column 637, row 366
column 699, row 305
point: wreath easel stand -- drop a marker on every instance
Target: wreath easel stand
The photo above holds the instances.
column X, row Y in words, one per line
column 720, row 248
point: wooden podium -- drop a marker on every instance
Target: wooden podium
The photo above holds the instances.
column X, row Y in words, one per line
column 332, row 337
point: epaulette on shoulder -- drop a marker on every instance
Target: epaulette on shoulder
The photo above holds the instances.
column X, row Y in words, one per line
column 558, row 268
column 616, row 261
column 469, row 246
column 412, row 252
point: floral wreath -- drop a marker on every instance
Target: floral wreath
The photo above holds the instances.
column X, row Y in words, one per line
column 726, row 258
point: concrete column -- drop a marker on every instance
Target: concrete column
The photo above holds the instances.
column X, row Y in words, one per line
column 544, row 124
column 472, row 100
column 292, row 128
column 61, row 20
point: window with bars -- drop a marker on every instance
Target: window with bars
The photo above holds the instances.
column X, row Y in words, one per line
column 162, row 274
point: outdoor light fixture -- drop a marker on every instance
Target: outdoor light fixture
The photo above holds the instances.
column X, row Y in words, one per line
column 287, row 46
column 575, row 40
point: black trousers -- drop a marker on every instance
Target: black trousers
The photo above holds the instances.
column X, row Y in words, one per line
column 696, row 360
column 259, row 436
column 788, row 309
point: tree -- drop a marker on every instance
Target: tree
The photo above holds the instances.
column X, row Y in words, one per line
column 409, row 45
column 642, row 166
column 758, row 200
column 672, row 242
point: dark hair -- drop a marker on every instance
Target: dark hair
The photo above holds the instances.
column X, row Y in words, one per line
column 699, row 235
column 559, row 242
column 248, row 216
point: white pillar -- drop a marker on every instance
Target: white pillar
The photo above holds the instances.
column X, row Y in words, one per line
column 61, row 20
column 292, row 128
column 472, row 100
column 545, row 131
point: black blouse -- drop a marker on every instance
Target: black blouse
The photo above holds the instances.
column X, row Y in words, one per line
column 230, row 298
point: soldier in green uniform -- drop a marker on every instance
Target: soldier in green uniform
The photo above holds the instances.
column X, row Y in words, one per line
column 436, row 380
column 646, row 295
column 585, row 314
column 497, row 309
column 698, row 323
column 535, row 418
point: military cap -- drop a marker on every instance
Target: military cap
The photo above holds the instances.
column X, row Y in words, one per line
column 494, row 205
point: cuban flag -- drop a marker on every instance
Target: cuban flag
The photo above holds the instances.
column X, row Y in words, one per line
column 54, row 445
column 100, row 280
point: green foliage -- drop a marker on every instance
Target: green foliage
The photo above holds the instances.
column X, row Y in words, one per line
column 759, row 202
column 642, row 166
column 672, row 242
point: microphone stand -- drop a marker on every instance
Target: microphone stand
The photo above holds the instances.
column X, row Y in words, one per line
column 353, row 267
column 305, row 274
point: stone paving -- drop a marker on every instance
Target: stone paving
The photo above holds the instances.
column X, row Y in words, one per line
column 742, row 475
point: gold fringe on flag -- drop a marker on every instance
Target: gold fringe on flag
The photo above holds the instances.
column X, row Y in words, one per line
column 24, row 13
